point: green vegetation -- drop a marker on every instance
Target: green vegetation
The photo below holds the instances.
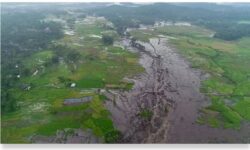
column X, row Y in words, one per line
column 228, row 86
column 232, row 24
column 142, row 35
column 107, row 39
column 146, row 114
column 243, row 108
column 112, row 136
column 190, row 31
column 34, row 102
column 22, row 35
column 227, row 63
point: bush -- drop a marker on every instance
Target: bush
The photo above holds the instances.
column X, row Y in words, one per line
column 146, row 114
column 107, row 39
column 8, row 103
column 73, row 56
column 113, row 136
column 66, row 81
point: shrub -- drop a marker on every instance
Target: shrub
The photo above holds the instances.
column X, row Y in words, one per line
column 146, row 114
column 113, row 136
column 109, row 40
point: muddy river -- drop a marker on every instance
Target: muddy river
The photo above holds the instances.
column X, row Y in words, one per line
column 169, row 89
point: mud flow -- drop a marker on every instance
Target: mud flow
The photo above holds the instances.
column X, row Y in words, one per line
column 165, row 101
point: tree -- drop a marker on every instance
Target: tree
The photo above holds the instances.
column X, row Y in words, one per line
column 55, row 59
column 107, row 39
column 73, row 56
column 8, row 102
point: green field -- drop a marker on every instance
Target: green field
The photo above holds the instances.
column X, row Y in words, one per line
column 227, row 64
column 171, row 31
column 41, row 93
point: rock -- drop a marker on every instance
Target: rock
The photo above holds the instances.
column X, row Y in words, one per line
column 35, row 73
column 47, row 30
column 59, row 134
column 102, row 90
column 73, row 85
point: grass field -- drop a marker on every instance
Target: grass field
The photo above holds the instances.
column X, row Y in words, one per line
column 171, row 31
column 41, row 110
column 226, row 62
